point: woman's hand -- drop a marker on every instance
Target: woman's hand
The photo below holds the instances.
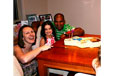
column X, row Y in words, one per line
column 45, row 47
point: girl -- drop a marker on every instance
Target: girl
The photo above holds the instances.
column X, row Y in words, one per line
column 48, row 35
column 24, row 53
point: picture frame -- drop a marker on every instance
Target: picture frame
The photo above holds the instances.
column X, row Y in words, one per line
column 45, row 17
column 31, row 18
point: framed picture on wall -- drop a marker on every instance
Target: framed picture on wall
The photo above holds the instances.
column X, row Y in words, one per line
column 31, row 18
column 45, row 17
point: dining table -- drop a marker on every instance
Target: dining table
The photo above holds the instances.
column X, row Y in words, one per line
column 69, row 58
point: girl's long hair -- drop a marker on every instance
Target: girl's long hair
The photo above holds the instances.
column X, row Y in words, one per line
column 43, row 30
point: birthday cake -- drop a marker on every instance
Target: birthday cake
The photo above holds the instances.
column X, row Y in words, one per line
column 83, row 42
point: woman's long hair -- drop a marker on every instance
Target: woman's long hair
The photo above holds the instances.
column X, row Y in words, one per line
column 20, row 36
column 43, row 30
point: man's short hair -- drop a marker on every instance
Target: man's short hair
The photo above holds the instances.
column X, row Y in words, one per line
column 57, row 15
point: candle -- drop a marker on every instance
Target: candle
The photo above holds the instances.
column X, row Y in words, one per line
column 72, row 31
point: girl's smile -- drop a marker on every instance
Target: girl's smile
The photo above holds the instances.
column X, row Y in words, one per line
column 48, row 30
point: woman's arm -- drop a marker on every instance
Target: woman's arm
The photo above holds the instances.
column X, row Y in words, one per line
column 26, row 57
column 42, row 42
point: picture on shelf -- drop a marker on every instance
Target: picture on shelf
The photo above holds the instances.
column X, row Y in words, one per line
column 45, row 17
column 31, row 18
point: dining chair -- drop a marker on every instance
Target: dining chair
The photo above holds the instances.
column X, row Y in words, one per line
column 17, row 69
column 38, row 37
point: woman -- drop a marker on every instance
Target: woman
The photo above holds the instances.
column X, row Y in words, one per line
column 24, row 53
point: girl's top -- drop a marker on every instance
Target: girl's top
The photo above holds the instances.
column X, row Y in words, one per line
column 50, row 41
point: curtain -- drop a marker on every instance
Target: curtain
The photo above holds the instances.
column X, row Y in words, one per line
column 15, row 10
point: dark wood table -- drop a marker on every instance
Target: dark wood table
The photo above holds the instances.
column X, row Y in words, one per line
column 69, row 58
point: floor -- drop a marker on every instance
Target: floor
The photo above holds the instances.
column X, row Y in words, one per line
column 70, row 74
column 51, row 74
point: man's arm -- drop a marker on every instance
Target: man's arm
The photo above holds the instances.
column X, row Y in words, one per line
column 78, row 32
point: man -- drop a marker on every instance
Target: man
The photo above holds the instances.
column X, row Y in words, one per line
column 62, row 28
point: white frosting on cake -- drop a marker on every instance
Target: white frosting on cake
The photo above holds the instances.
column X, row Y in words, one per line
column 81, row 42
